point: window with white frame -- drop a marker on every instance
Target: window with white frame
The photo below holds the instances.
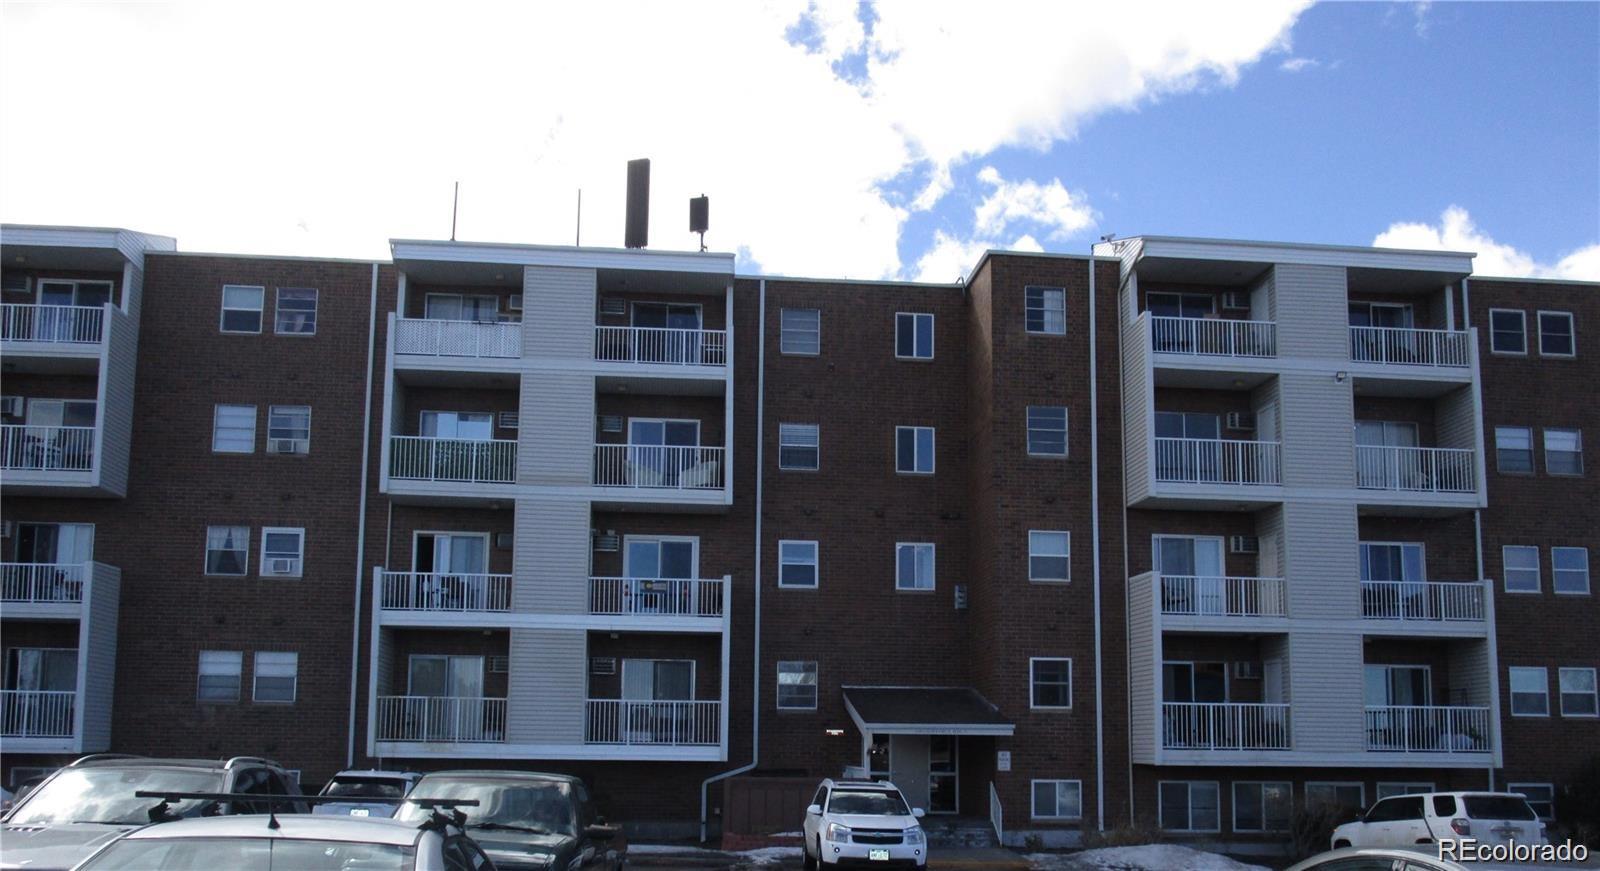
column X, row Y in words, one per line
column 798, row 446
column 1569, row 570
column 1563, row 452
column 227, row 550
column 220, row 671
column 1057, row 799
column 1050, row 680
column 1508, row 333
column 913, row 336
column 797, row 564
column 1047, row 430
column 1262, row 806
column 1513, row 449
column 233, row 429
column 1578, row 697
column 1344, row 796
column 913, row 450
column 800, row 331
column 1557, row 337
column 297, row 311
column 1530, row 692
column 1541, row 797
column 282, row 551
column 241, row 308
column 1520, row 564
column 1046, row 310
column 276, row 676
column 913, row 566
column 288, row 429
column 1049, row 555
column 1189, row 806
column 797, row 685
column 1390, row 790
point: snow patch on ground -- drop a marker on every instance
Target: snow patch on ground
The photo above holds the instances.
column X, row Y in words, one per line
column 1149, row 857
column 756, row 857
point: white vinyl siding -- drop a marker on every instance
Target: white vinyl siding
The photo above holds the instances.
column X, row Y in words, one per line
column 913, row 450
column 1046, row 310
column 1563, row 452
column 233, row 429
column 913, row 336
column 1569, row 570
column 1530, row 692
column 1057, row 799
column 799, row 446
column 220, row 672
column 1049, row 683
column 1049, row 555
column 797, row 685
column 241, row 308
column 913, row 566
column 1513, row 449
column 1047, row 431
column 227, row 550
column 1189, row 805
column 800, row 331
column 276, row 676
column 282, row 551
column 797, row 564
column 1508, row 331
column 1578, row 696
column 1520, row 564
column 1557, row 335
column 1262, row 807
column 297, row 311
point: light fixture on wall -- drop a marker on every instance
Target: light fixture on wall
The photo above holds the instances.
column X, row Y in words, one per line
column 1340, row 376
column 834, row 733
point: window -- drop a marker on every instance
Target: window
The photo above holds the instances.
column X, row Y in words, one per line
column 1051, row 680
column 1262, row 807
column 275, row 676
column 219, row 675
column 1541, row 797
column 1508, row 331
column 1047, row 430
column 913, row 566
column 801, row 331
column 282, row 550
column 797, row 564
column 1530, row 692
column 1563, row 452
column 1057, row 799
column 288, row 429
column 1049, row 556
column 913, row 336
column 1521, row 566
column 1189, row 806
column 797, row 685
column 1577, row 692
column 797, row 446
column 1345, row 796
column 1569, row 570
column 241, row 308
column 913, row 450
column 1047, row 310
column 1513, row 449
column 1390, row 790
column 1556, row 335
column 297, row 311
column 233, row 429
column 227, row 550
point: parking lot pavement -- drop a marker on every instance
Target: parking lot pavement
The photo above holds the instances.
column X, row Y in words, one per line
column 975, row 859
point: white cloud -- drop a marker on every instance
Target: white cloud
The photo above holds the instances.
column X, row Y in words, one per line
column 1051, row 206
column 1456, row 232
column 1298, row 64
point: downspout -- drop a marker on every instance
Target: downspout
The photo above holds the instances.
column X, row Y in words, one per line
column 361, row 522
column 1094, row 530
column 755, row 653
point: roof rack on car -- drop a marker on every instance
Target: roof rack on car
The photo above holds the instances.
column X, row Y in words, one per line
column 436, row 819
column 159, row 813
column 98, row 757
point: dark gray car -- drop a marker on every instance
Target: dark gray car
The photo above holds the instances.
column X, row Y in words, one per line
column 527, row 820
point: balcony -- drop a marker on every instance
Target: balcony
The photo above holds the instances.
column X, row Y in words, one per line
column 1427, row 602
column 1411, row 347
column 452, row 592
column 1217, row 461
column 1240, row 597
column 1214, row 337
column 52, row 324
column 471, row 339
column 43, row 583
column 37, row 714
column 1428, row 729
column 661, row 346
column 470, row 461
column 441, row 719
column 1224, row 726
column 46, row 449
column 653, row 723
column 1416, row 470
column 660, row 467
column 658, row 597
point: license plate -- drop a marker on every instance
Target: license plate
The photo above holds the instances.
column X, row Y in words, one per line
column 360, row 812
column 877, row 855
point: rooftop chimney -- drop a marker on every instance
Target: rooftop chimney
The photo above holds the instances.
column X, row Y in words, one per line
column 637, row 233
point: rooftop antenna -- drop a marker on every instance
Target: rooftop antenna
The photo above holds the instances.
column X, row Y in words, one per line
column 455, row 201
column 577, row 239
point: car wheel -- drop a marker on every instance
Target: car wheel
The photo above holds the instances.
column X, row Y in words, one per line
column 1340, row 844
column 806, row 859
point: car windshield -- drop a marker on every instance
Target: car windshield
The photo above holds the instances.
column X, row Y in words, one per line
column 366, row 787
column 1498, row 807
column 249, row 854
column 874, row 802
column 106, row 795
column 541, row 805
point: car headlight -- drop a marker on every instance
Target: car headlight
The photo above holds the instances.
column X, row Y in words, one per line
column 915, row 836
column 838, row 833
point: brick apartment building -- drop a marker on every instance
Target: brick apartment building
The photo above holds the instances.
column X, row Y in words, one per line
column 1195, row 533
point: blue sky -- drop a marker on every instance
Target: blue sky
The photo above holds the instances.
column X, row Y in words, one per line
column 835, row 138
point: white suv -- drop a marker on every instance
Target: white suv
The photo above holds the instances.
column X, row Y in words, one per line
column 853, row 822
column 1429, row 817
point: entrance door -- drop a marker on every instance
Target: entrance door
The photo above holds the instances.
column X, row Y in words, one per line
column 909, row 767
column 943, row 782
column 1192, row 574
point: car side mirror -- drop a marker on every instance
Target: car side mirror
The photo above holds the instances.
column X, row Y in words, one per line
column 917, row 812
column 600, row 832
column 814, row 810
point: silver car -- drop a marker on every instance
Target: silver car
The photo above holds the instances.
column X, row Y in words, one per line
column 368, row 793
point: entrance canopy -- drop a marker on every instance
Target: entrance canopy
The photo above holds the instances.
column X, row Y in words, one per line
column 923, row 711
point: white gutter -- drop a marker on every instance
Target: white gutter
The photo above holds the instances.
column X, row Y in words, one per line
column 755, row 653
column 1094, row 530
column 361, row 523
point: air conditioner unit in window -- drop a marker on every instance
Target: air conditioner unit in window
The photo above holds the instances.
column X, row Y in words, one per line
column 603, row 665
column 1236, row 300
column 287, row 446
column 1244, row 544
column 611, row 423
column 611, row 305
column 1241, row 420
column 508, row 420
column 499, row 664
column 17, row 281
column 514, row 302
column 282, row 566
column 606, row 542
column 11, row 406
column 961, row 597
column 1247, row 670
column 502, row 540
column 7, row 528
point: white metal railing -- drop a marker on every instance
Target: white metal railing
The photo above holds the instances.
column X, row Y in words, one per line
column 619, row 721
column 684, row 468
column 672, row 597
column 446, row 591
column 439, row 338
column 68, row 324
column 1410, row 346
column 1428, row 729
column 996, row 816
column 1224, row 726
column 1425, row 470
column 425, row 458
column 1202, row 596
column 1214, row 337
column 1423, row 600
column 1217, row 461
column 459, row 719
column 665, row 345
column 25, row 447
column 37, row 713
column 42, row 582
